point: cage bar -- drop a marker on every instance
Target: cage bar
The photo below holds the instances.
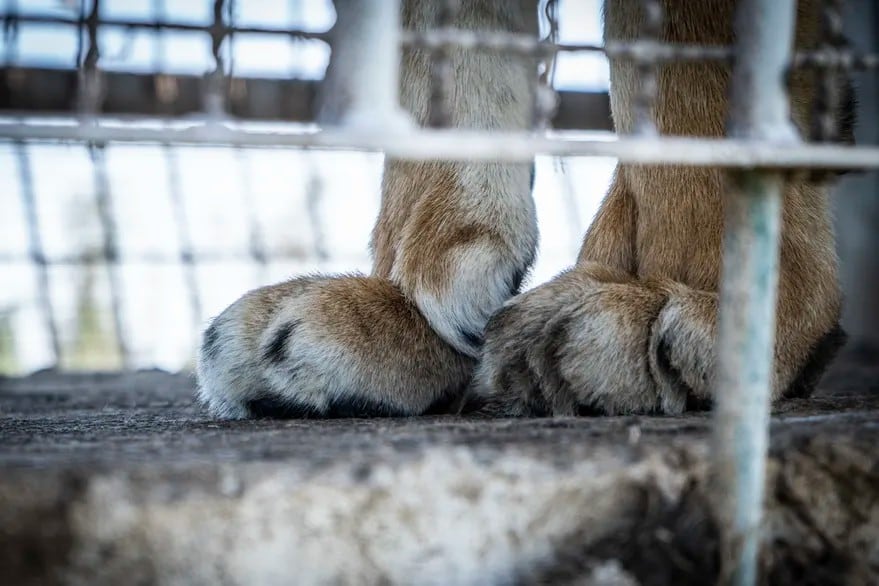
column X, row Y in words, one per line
column 494, row 41
column 184, row 237
column 13, row 18
column 89, row 77
column 361, row 89
column 214, row 102
column 256, row 248
column 746, row 327
column 546, row 99
column 109, row 239
column 36, row 251
column 464, row 145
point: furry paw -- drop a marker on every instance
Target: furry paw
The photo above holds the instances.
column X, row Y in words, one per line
column 326, row 347
column 681, row 352
column 593, row 341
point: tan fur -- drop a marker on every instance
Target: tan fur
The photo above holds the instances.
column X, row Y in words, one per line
column 645, row 343
column 629, row 329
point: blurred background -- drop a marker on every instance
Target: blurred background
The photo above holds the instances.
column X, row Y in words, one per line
column 115, row 257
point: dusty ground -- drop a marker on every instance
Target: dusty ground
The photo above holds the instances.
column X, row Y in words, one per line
column 112, row 479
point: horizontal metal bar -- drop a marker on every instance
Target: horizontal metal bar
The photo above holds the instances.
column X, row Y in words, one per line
column 158, row 25
column 497, row 41
column 435, row 39
column 837, row 58
column 464, row 145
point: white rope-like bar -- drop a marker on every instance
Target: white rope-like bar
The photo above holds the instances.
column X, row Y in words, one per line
column 460, row 145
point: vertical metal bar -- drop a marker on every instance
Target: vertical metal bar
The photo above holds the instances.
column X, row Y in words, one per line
column 36, row 251
column 314, row 189
column 546, row 100
column 214, row 100
column 10, row 33
column 361, row 88
column 111, row 249
column 80, row 34
column 172, row 170
column 89, row 77
column 231, row 13
column 90, row 95
column 746, row 336
column 184, row 237
column 256, row 244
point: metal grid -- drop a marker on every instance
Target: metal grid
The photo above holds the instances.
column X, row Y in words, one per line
column 404, row 141
column 762, row 143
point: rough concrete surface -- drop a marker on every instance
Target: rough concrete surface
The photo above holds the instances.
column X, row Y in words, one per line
column 121, row 479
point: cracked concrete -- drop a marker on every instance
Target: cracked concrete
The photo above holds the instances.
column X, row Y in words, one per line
column 121, row 479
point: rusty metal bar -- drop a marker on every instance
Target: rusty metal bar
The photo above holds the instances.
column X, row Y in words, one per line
column 746, row 328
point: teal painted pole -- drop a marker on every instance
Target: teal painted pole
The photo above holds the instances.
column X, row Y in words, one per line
column 759, row 111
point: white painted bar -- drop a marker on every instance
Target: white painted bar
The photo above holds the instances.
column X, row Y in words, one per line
column 462, row 145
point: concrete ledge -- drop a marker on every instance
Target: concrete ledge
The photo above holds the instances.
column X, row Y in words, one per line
column 108, row 480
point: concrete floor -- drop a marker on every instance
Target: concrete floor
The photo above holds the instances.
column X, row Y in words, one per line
column 122, row 479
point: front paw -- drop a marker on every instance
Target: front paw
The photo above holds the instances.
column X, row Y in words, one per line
column 573, row 346
column 326, row 347
column 682, row 350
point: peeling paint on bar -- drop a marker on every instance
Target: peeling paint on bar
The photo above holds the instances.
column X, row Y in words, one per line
column 759, row 110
